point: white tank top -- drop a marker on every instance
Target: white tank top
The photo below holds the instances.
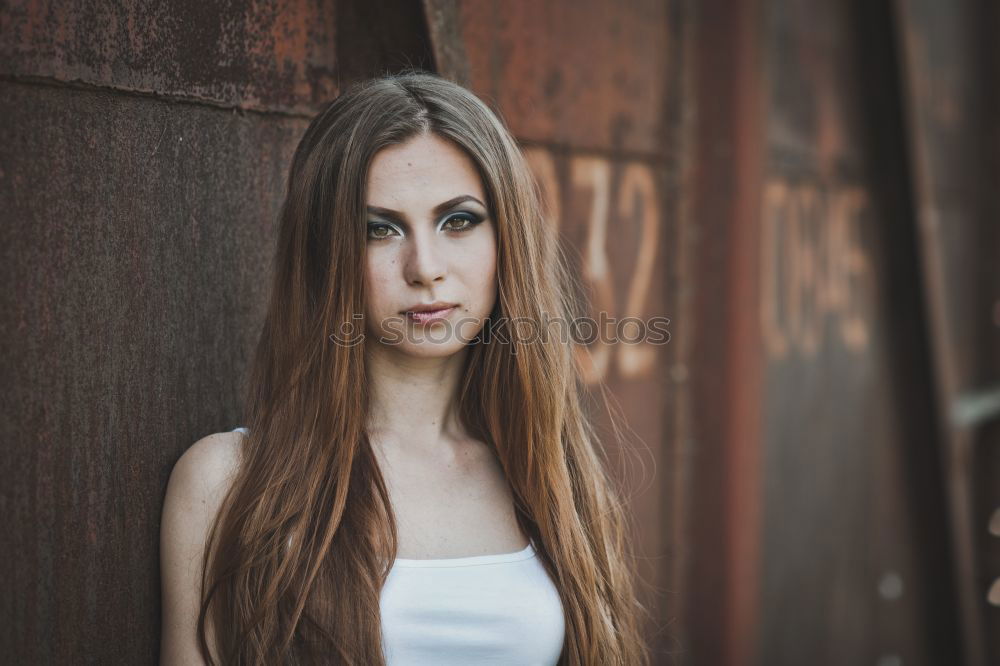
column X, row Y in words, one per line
column 501, row 610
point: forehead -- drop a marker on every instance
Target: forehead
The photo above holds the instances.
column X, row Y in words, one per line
column 421, row 173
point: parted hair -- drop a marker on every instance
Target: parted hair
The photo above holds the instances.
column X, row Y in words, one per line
column 306, row 535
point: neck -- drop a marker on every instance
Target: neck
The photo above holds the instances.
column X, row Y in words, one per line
column 413, row 399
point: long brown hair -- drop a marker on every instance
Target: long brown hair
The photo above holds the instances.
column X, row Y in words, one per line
column 297, row 556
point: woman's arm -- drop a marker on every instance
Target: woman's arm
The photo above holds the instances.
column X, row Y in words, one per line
column 198, row 483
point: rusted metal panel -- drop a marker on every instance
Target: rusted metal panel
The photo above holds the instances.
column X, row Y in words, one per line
column 838, row 496
column 718, row 338
column 536, row 61
column 134, row 248
column 951, row 62
column 818, row 532
column 599, row 133
column 276, row 54
column 736, row 167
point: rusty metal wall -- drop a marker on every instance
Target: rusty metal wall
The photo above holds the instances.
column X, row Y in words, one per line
column 143, row 152
column 820, row 522
column 801, row 187
column 845, row 392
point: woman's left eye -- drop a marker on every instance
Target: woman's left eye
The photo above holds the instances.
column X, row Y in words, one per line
column 468, row 219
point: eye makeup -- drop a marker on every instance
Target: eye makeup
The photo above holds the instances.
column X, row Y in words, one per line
column 457, row 222
column 374, row 226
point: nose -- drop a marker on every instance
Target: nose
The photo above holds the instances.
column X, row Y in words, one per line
column 425, row 260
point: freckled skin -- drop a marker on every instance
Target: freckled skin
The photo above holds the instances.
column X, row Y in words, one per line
column 430, row 260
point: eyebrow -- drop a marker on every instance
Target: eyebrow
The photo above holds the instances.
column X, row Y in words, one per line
column 439, row 210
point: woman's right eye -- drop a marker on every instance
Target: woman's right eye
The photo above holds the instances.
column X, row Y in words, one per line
column 379, row 230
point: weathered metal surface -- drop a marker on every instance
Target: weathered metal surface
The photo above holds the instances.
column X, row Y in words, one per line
column 818, row 531
column 598, row 132
column 839, row 545
column 135, row 249
column 277, row 54
column 717, row 337
column 538, row 62
column 737, row 167
column 951, row 61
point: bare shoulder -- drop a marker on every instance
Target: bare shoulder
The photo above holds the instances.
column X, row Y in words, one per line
column 207, row 466
column 198, row 483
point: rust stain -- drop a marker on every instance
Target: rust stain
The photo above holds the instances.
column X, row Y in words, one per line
column 272, row 54
column 536, row 60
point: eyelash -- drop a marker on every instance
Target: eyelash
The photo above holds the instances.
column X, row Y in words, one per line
column 471, row 218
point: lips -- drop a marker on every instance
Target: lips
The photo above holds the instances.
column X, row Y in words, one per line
column 429, row 313
column 429, row 307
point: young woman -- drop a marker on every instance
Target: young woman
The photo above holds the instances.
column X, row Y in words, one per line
column 416, row 481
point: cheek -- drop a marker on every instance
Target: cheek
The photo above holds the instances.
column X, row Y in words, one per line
column 378, row 276
column 480, row 266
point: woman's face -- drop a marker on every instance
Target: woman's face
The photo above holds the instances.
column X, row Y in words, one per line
column 431, row 240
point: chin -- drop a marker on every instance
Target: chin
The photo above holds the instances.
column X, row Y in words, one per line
column 427, row 349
